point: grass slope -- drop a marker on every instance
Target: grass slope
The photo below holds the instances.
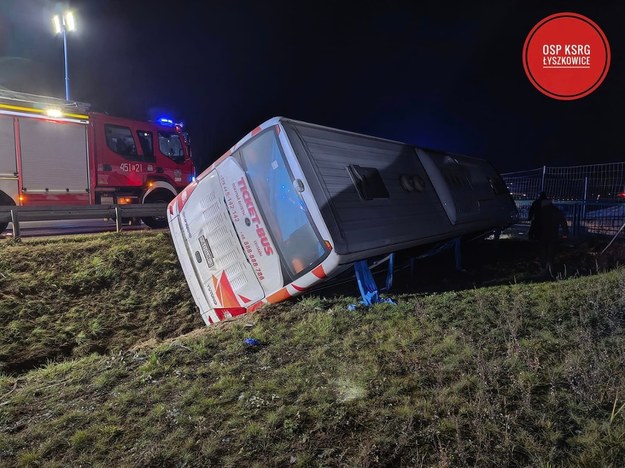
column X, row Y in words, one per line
column 77, row 295
column 509, row 375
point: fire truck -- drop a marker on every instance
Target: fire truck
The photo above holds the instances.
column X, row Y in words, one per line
column 57, row 152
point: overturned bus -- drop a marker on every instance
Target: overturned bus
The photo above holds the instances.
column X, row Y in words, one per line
column 293, row 204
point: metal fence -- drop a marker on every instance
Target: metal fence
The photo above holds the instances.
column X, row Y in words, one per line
column 17, row 214
column 585, row 218
column 591, row 196
column 591, row 183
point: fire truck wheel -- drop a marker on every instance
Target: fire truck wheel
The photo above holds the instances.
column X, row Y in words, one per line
column 5, row 200
column 156, row 222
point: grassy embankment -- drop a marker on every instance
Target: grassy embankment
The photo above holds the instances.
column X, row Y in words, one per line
column 98, row 371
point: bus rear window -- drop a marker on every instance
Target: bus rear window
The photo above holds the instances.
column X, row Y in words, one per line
column 282, row 207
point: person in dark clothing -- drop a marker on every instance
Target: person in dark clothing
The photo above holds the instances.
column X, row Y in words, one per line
column 532, row 215
column 551, row 220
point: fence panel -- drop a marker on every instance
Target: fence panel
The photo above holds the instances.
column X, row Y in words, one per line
column 595, row 182
column 591, row 196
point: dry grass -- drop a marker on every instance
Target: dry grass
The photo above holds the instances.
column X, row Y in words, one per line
column 526, row 374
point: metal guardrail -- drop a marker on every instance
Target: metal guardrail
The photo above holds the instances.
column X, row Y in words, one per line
column 17, row 214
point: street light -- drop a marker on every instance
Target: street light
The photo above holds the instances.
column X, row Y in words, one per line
column 63, row 24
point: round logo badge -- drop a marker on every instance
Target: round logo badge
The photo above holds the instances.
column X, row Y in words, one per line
column 566, row 56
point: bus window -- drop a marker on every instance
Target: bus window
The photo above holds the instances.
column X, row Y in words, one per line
column 282, row 207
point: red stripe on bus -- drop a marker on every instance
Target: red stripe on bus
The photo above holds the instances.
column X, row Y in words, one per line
column 318, row 272
column 225, row 292
column 185, row 194
column 256, row 131
column 227, row 312
column 297, row 288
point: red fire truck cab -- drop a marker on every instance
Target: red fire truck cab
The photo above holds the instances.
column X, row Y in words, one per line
column 54, row 152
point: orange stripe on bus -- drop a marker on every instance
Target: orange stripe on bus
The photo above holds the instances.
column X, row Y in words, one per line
column 279, row 296
column 255, row 306
column 226, row 293
column 318, row 272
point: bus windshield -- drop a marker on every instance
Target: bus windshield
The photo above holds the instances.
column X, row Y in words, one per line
column 282, row 207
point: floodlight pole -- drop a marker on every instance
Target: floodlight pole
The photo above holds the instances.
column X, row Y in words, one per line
column 62, row 24
column 64, row 31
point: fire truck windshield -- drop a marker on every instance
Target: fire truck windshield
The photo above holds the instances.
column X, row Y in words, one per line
column 170, row 145
column 282, row 207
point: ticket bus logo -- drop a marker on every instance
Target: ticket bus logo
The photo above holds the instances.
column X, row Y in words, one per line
column 566, row 56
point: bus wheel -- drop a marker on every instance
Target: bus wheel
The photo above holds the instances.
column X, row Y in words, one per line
column 157, row 222
column 5, row 200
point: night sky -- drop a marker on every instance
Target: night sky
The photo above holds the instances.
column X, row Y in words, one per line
column 443, row 75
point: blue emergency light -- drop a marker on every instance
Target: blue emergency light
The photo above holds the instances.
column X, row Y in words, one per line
column 165, row 121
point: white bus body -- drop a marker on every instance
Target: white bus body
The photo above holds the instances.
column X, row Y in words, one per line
column 293, row 203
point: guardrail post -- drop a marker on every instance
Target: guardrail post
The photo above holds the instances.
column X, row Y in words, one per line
column 118, row 219
column 15, row 221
